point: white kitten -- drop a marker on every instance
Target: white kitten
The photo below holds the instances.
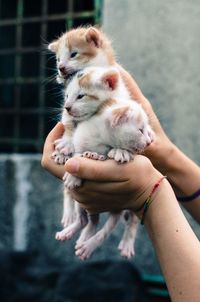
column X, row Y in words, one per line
column 111, row 124
column 75, row 50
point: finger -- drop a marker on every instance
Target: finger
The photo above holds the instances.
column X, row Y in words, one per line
column 47, row 162
column 90, row 169
column 108, row 188
column 102, row 202
column 55, row 133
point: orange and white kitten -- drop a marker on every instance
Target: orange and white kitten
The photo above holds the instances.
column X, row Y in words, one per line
column 80, row 48
column 109, row 124
column 75, row 50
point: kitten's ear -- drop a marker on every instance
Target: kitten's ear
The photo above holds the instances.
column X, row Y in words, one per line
column 111, row 79
column 139, row 119
column 119, row 116
column 53, row 46
column 84, row 80
column 93, row 36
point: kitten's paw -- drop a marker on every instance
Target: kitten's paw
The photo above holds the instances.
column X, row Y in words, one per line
column 68, row 232
column 88, row 231
column 84, row 249
column 60, row 80
column 71, row 182
column 120, row 155
column 94, row 155
column 59, row 158
column 67, row 219
column 126, row 248
column 64, row 146
column 63, row 235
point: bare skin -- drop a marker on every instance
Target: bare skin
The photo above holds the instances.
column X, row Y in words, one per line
column 115, row 187
column 181, row 171
column 175, row 243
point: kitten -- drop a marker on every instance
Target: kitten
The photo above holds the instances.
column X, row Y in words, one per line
column 80, row 48
column 109, row 123
column 75, row 50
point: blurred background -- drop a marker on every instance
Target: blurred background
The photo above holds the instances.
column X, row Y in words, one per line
column 157, row 42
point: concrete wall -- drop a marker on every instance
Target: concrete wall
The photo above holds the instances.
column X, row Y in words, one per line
column 158, row 42
column 30, row 212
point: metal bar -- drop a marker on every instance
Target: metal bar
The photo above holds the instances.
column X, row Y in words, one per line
column 17, row 71
column 12, row 111
column 21, row 141
column 74, row 15
column 70, row 16
column 41, row 112
column 98, row 11
column 41, row 126
column 20, row 80
column 9, row 51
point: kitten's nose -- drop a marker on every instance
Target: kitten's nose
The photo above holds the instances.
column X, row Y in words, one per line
column 62, row 69
column 68, row 108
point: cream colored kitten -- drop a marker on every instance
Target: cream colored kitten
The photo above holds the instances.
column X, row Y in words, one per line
column 75, row 50
column 80, row 48
column 109, row 123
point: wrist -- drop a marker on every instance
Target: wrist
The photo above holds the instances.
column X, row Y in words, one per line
column 166, row 156
column 181, row 171
column 143, row 210
column 163, row 202
column 150, row 179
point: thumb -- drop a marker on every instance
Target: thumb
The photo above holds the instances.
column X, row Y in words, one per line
column 90, row 169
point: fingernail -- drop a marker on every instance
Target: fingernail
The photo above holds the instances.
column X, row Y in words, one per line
column 72, row 165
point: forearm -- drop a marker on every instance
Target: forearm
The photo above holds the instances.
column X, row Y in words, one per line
column 176, row 245
column 183, row 174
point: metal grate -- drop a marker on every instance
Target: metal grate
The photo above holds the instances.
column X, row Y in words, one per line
column 25, row 92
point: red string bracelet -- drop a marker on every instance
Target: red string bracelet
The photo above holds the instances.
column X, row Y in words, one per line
column 149, row 200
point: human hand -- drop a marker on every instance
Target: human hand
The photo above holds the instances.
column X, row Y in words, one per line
column 161, row 147
column 108, row 186
column 47, row 160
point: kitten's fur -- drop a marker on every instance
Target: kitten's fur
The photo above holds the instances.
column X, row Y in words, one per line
column 80, row 48
column 109, row 124
column 75, row 50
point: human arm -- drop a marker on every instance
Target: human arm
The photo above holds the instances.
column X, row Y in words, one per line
column 115, row 187
column 109, row 186
column 183, row 173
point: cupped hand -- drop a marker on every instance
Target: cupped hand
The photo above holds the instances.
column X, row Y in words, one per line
column 108, row 186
